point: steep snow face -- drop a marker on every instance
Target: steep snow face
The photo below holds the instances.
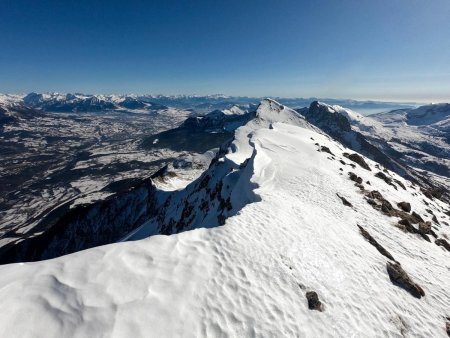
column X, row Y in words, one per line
column 249, row 277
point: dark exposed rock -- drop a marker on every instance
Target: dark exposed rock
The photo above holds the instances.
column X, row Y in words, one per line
column 387, row 208
column 405, row 206
column 399, row 277
column 378, row 202
column 342, row 162
column 224, row 204
column 434, row 192
column 217, row 190
column 371, row 202
column 313, row 301
column 410, row 218
column 405, row 222
column 447, row 326
column 424, row 227
column 244, row 164
column 427, row 194
column 204, row 182
column 355, row 178
column 422, row 231
column 358, row 159
column 321, row 115
column 374, row 194
column 383, row 205
column 400, row 184
column 344, row 201
column 444, row 243
column 408, row 226
column 385, row 178
column 185, row 219
column 372, row 241
column 416, row 218
column 221, row 219
column 326, row 150
column 425, row 237
column 435, row 220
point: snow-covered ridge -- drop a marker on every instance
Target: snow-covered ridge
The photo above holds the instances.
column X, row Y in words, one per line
column 252, row 276
column 412, row 142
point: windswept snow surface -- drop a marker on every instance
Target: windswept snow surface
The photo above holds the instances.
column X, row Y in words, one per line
column 248, row 278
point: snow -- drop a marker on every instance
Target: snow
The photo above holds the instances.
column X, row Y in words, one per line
column 235, row 110
column 348, row 113
column 417, row 137
column 270, row 111
column 248, row 278
column 8, row 99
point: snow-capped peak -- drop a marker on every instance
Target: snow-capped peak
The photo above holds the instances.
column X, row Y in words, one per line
column 235, row 110
column 270, row 111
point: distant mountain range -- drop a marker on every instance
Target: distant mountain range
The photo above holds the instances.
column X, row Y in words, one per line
column 77, row 102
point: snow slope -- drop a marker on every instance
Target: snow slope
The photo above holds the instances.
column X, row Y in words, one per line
column 248, row 278
column 418, row 137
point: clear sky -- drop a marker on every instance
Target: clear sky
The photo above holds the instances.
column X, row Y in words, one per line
column 361, row 49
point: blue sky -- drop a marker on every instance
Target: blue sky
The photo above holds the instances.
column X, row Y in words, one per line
column 361, row 49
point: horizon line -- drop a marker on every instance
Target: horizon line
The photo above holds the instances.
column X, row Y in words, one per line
column 375, row 100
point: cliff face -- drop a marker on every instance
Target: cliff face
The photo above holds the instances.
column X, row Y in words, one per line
column 85, row 226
